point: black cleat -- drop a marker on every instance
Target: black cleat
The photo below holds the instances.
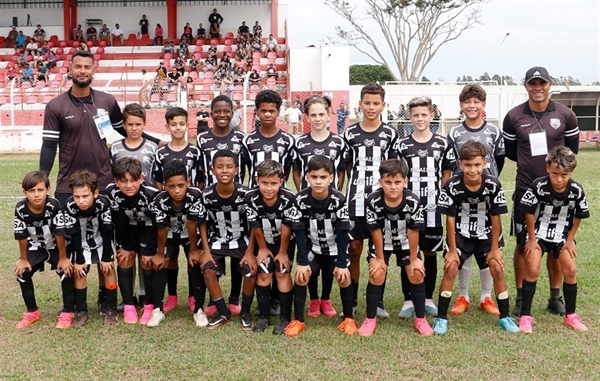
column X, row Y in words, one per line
column 262, row 324
column 280, row 327
column 556, row 306
column 275, row 307
column 218, row 322
column 246, row 321
column 518, row 305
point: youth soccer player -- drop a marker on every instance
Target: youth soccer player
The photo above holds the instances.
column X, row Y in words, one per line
column 473, row 202
column 430, row 160
column 177, row 149
column 135, row 232
column 173, row 207
column 273, row 242
column 319, row 220
column 395, row 218
column 319, row 141
column 554, row 206
column 88, row 223
column 368, row 143
column 39, row 228
column 474, row 127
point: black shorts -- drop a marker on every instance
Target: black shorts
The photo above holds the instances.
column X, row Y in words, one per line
column 517, row 220
column 172, row 247
column 359, row 229
column 37, row 258
column 219, row 258
column 318, row 262
column 431, row 239
column 553, row 248
column 141, row 239
column 478, row 248
column 272, row 266
column 402, row 257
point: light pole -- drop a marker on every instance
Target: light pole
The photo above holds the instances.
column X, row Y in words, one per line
column 501, row 60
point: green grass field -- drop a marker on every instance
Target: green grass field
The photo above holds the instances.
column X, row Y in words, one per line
column 475, row 347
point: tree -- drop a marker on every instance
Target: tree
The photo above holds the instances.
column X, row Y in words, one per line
column 565, row 81
column 414, row 30
column 363, row 74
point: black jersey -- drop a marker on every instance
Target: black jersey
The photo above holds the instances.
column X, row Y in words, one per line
column 209, row 144
column 134, row 210
column 145, row 153
column 190, row 156
column 426, row 161
column 488, row 134
column 473, row 210
column 394, row 222
column 554, row 212
column 259, row 148
column 268, row 218
column 366, row 150
column 175, row 217
column 40, row 230
column 226, row 220
column 321, row 219
column 306, row 147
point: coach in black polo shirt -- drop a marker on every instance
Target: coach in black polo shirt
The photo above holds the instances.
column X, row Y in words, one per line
column 530, row 130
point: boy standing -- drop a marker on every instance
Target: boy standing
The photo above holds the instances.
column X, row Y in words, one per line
column 368, row 143
column 473, row 202
column 39, row 228
column 202, row 117
column 430, row 161
column 474, row 127
column 554, row 206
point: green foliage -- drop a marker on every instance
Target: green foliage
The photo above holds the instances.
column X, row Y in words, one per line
column 363, row 74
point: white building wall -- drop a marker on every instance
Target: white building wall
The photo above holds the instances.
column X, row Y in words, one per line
column 323, row 68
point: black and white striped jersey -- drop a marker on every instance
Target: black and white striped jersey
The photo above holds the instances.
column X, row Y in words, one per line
column 175, row 217
column 426, row 161
column 226, row 220
column 145, row 153
column 209, row 144
column 366, row 151
column 394, row 222
column 473, row 210
column 488, row 134
column 268, row 218
column 39, row 229
column 321, row 219
column 258, row 148
column 134, row 210
column 306, row 147
column 190, row 156
column 554, row 212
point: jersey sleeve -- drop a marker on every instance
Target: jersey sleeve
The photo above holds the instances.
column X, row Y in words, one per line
column 196, row 209
column 158, row 175
column 20, row 226
column 449, row 158
column 446, row 204
column 510, row 138
column 252, row 214
column 343, row 218
column 71, row 222
column 160, row 215
column 292, row 217
column 582, row 209
column 528, row 203
column 51, row 131
column 417, row 220
column 498, row 201
column 372, row 217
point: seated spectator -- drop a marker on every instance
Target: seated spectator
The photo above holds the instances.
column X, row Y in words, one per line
column 190, row 88
column 271, row 72
column 201, row 32
column 241, row 52
column 39, row 35
column 179, row 65
column 238, row 76
column 212, row 51
column 227, row 84
column 104, row 34
column 52, row 58
column 215, row 18
column 257, row 30
column 26, row 73
column 42, row 73
column 226, row 62
column 65, row 80
column 236, row 119
column 183, row 51
column 256, row 43
column 161, row 72
column 264, row 50
column 12, row 72
column 187, row 32
column 92, row 33
column 31, row 48
column 77, row 33
column 158, row 34
column 254, row 77
column 83, row 46
column 243, row 31
column 168, row 48
column 272, row 43
column 117, row 34
column 242, row 42
column 249, row 62
column 193, row 63
column 21, row 40
column 22, row 57
column 173, row 78
column 215, row 31
column 209, row 64
column 12, row 36
column 43, row 50
column 239, row 63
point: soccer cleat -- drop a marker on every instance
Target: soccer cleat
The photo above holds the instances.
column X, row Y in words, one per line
column 440, row 326
column 348, row 326
column 130, row 315
column 367, row 327
column 354, row 311
column 509, row 325
column 235, row 309
column 275, row 308
column 171, row 302
column 218, row 321
column 294, row 328
column 246, row 321
column 489, row 306
column 191, row 303
column 146, row 313
column 406, row 312
column 210, row 310
column 200, row 318
column 261, row 325
column 29, row 318
column 518, row 305
column 574, row 321
column 111, row 317
column 314, row 308
column 80, row 319
column 280, row 327
column 65, row 319
column 382, row 313
column 103, row 309
column 327, row 308
column 423, row 326
column 556, row 306
column 526, row 324
column 156, row 318
column 460, row 306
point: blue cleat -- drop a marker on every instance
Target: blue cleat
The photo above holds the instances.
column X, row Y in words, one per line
column 431, row 310
column 406, row 313
column 509, row 325
column 440, row 326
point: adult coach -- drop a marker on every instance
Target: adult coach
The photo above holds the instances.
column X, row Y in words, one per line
column 530, row 130
column 74, row 122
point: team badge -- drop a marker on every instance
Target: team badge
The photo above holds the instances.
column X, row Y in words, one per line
column 554, row 123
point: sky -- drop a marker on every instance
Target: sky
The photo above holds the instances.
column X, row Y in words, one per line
column 562, row 36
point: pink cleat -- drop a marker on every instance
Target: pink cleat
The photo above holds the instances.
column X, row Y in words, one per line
column 191, row 303
column 171, row 302
column 130, row 315
column 314, row 308
column 423, row 327
column 235, row 309
column 29, row 318
column 367, row 327
column 146, row 314
column 526, row 323
column 327, row 308
column 574, row 321
column 65, row 320
column 210, row 310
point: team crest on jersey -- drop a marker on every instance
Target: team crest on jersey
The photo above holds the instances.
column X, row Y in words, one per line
column 320, row 216
column 473, row 200
column 319, row 151
column 422, row 153
column 554, row 123
column 369, row 142
column 226, row 208
column 267, row 148
column 222, row 146
column 557, row 203
column 271, row 216
column 393, row 217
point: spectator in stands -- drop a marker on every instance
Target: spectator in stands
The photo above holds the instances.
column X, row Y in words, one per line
column 167, row 48
column 158, row 34
column 157, row 87
column 179, row 65
column 200, row 32
column 225, row 63
column 183, row 51
column 31, row 48
column 39, row 35
column 202, row 117
column 239, row 63
column 26, row 74
column 435, row 123
column 292, row 117
column 241, row 52
column 238, row 76
column 66, row 78
column 272, row 43
column 249, row 62
column 242, row 42
column 43, row 50
column 173, row 78
column 187, row 32
column 257, row 30
column 117, row 34
column 254, row 77
column 41, row 74
column 342, row 116
column 227, row 84
column 12, row 72
column 243, row 31
column 12, row 36
column 193, row 64
column 236, row 119
column 83, row 47
column 209, row 64
column 271, row 72
column 256, row 43
column 22, row 57
column 190, row 88
column 77, row 33
column 215, row 18
column 105, row 34
column 215, row 31
column 92, row 33
column 21, row 40
column 144, row 23
column 52, row 58
column 212, row 51
column 264, row 50
column 161, row 72
column 146, row 89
